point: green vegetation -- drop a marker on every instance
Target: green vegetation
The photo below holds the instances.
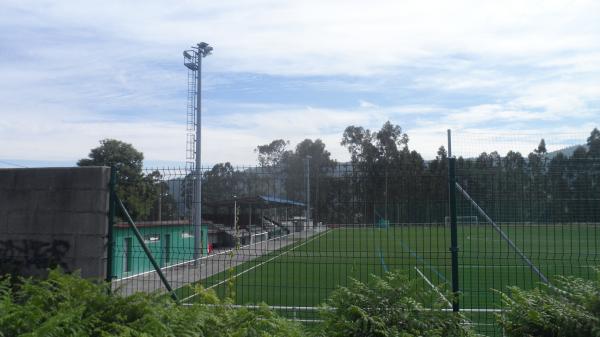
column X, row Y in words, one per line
column 392, row 305
column 534, row 187
column 569, row 309
column 140, row 192
column 66, row 305
column 307, row 273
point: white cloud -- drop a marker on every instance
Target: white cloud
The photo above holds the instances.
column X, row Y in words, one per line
column 335, row 37
column 61, row 136
column 366, row 104
column 74, row 73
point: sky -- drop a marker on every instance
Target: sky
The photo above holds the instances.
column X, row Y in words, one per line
column 500, row 74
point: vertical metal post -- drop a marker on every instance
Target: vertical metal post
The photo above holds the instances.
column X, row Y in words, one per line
column 453, row 231
column 198, row 173
column 140, row 239
column 307, row 191
column 249, row 215
column 386, row 196
column 111, row 222
column 449, row 143
column 160, row 203
column 235, row 222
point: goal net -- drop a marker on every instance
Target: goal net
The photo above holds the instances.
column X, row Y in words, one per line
column 469, row 220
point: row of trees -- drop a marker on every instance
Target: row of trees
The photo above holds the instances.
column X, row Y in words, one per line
column 385, row 180
column 542, row 187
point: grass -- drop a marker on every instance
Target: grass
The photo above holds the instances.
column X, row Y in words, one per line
column 304, row 274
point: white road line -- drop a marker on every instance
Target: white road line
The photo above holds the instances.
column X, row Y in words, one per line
column 433, row 287
column 260, row 264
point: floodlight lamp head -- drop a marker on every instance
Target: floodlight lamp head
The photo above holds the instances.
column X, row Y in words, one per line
column 204, row 49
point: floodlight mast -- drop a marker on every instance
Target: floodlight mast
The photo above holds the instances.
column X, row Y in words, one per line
column 192, row 59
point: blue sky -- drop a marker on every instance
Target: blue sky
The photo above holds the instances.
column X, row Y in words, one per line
column 75, row 73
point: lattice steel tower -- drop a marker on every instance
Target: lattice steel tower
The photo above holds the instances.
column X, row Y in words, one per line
column 192, row 59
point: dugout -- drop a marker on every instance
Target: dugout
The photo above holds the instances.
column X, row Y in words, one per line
column 256, row 215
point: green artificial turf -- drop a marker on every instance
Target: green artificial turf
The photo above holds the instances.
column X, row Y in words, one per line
column 304, row 274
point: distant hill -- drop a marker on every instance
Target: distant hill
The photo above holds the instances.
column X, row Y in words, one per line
column 567, row 151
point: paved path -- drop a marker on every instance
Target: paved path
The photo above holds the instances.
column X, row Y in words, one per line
column 189, row 272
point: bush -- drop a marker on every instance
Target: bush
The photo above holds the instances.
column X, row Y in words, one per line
column 389, row 306
column 571, row 307
column 66, row 305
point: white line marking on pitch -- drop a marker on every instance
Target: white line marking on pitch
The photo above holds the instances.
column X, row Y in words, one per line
column 432, row 286
column 198, row 259
column 260, row 264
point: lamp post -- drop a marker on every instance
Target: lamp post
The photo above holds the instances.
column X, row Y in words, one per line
column 193, row 61
column 307, row 191
column 235, row 221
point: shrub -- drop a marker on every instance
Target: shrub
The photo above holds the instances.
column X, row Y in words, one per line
column 391, row 305
column 571, row 307
column 66, row 305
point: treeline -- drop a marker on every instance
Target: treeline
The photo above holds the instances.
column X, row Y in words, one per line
column 542, row 187
column 384, row 181
column 387, row 181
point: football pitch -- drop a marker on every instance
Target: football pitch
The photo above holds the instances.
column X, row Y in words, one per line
column 301, row 276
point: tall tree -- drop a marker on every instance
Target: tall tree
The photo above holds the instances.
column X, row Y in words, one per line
column 387, row 146
column 537, row 190
column 137, row 191
column 536, row 160
column 390, row 141
column 593, row 143
column 295, row 166
column 359, row 142
column 220, row 182
column 121, row 155
column 541, row 149
column 382, row 161
column 272, row 154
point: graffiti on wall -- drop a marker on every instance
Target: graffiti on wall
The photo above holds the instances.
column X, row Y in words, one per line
column 17, row 255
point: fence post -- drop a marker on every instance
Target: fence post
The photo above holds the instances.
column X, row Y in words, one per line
column 140, row 239
column 111, row 222
column 453, row 231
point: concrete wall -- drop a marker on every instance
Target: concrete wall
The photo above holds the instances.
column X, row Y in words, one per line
column 54, row 216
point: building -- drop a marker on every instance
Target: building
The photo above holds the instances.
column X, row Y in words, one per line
column 171, row 242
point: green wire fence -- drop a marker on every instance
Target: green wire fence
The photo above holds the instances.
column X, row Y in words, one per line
column 288, row 235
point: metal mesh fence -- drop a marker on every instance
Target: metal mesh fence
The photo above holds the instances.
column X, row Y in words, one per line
column 536, row 213
column 287, row 236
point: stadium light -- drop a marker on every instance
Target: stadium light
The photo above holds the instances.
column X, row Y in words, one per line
column 192, row 59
